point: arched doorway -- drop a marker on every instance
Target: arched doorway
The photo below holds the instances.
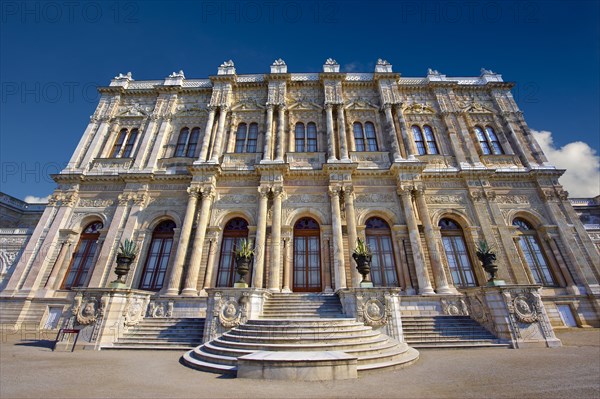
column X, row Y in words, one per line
column 157, row 259
column 84, row 255
column 383, row 267
column 235, row 231
column 307, row 256
column 457, row 254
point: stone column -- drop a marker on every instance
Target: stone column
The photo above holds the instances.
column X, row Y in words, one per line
column 441, row 282
column 287, row 264
column 261, row 235
column 210, row 264
column 342, row 133
column 184, row 237
column 352, row 236
column 274, row 270
column 455, row 141
column 268, row 133
column 207, row 133
column 53, row 282
column 415, row 242
column 409, row 143
column 216, row 152
column 191, row 279
column 280, row 133
column 338, row 245
column 330, row 139
column 391, row 128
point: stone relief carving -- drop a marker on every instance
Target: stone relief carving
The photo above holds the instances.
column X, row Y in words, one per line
column 230, row 312
column 524, row 309
column 160, row 309
column 456, row 307
column 373, row 311
column 87, row 309
column 135, row 310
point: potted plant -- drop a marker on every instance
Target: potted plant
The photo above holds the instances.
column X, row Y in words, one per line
column 243, row 258
column 486, row 255
column 125, row 257
column 362, row 256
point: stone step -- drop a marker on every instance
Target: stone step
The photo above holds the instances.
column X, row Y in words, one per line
column 459, row 345
column 254, row 346
column 316, row 321
column 305, row 339
column 164, row 347
column 298, row 332
column 161, row 333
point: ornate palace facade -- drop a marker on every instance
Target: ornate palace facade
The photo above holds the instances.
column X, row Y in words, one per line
column 303, row 164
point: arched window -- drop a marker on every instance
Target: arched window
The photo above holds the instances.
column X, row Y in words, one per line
column 245, row 138
column 488, row 141
column 383, row 267
column 533, row 254
column 457, row 253
column 306, row 138
column 187, row 143
column 300, row 136
column 157, row 260
column 307, row 256
column 81, row 262
column 123, row 146
column 235, row 231
column 365, row 139
column 425, row 143
column 430, row 138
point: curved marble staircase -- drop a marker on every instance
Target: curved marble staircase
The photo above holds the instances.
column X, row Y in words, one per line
column 301, row 323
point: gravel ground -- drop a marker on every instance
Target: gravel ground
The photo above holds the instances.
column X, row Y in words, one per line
column 29, row 369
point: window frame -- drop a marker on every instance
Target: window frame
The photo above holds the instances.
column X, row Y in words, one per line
column 247, row 143
column 425, row 145
column 528, row 241
column 124, row 144
column 163, row 236
column 365, row 141
column 187, row 148
column 90, row 240
column 459, row 269
column 487, row 144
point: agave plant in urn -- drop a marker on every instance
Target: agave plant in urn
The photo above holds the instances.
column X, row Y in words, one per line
column 243, row 258
column 362, row 256
column 125, row 257
column 487, row 256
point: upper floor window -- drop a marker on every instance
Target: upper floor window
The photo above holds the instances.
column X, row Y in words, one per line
column 245, row 138
column 306, row 137
column 488, row 141
column 365, row 139
column 425, row 142
column 123, row 146
column 187, row 143
column 533, row 254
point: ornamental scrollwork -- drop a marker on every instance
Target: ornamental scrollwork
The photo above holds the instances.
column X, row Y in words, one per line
column 456, row 307
column 134, row 311
column 87, row 310
column 373, row 311
column 524, row 309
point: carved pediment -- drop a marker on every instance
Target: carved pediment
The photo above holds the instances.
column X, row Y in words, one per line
column 477, row 108
column 135, row 110
column 361, row 103
column 418, row 108
column 248, row 104
column 305, row 105
column 190, row 110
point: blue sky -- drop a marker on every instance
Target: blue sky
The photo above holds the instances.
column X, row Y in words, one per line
column 53, row 54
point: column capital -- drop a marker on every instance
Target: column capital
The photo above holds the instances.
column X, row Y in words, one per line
column 405, row 189
column 194, row 191
column 263, row 191
column 334, row 191
column 212, row 108
column 348, row 190
column 278, row 191
column 328, row 106
column 270, row 106
column 419, row 189
column 208, row 192
column 225, row 108
column 387, row 106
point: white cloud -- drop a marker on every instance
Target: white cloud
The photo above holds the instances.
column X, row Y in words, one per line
column 582, row 178
column 32, row 199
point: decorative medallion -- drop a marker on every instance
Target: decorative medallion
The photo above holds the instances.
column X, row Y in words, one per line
column 524, row 310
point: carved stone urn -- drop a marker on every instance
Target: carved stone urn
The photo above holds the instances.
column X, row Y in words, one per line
column 123, row 266
column 363, row 265
column 242, row 268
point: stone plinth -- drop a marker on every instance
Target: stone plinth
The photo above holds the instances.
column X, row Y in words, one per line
column 298, row 366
